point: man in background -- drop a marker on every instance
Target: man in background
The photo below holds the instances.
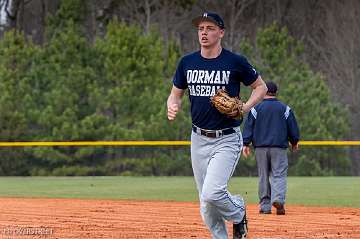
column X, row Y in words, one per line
column 269, row 127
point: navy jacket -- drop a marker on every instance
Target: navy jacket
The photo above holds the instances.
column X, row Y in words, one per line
column 271, row 123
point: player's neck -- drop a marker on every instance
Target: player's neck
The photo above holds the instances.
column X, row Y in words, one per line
column 269, row 97
column 212, row 52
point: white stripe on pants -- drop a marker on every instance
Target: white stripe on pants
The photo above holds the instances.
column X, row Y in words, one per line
column 213, row 162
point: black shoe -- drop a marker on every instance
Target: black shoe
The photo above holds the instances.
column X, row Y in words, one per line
column 240, row 230
column 280, row 209
column 264, row 212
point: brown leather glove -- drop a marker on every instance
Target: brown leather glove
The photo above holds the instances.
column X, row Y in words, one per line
column 225, row 104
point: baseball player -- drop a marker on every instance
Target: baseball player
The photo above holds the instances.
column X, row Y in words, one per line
column 269, row 127
column 216, row 140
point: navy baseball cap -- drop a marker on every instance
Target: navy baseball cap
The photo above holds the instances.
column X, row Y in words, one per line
column 272, row 88
column 209, row 16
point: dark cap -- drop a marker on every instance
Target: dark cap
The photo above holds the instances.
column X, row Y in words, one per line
column 272, row 88
column 209, row 16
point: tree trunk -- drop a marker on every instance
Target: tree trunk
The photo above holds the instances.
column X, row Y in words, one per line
column 148, row 16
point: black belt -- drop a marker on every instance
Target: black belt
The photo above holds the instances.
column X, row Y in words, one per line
column 213, row 133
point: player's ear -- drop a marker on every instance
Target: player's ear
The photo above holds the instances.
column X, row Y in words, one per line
column 222, row 32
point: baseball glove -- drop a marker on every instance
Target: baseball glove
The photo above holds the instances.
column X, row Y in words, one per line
column 225, row 104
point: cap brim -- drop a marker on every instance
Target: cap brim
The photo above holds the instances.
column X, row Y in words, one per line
column 196, row 21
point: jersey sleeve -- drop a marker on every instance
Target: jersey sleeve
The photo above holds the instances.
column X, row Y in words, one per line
column 248, row 72
column 179, row 79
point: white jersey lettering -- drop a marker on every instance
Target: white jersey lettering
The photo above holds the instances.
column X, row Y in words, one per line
column 217, row 78
column 209, row 78
column 225, row 77
column 197, row 90
column 201, row 76
column 206, row 83
column 188, row 76
column 194, row 77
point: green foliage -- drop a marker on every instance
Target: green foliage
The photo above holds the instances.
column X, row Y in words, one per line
column 278, row 57
column 70, row 90
column 60, row 79
column 15, row 61
column 133, row 70
column 116, row 89
column 70, row 11
column 246, row 167
column 305, row 167
column 132, row 74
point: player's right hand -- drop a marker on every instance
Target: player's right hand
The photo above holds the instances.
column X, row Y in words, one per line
column 172, row 111
column 246, row 151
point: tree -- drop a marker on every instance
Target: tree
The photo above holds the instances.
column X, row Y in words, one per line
column 70, row 89
column 338, row 56
column 60, row 78
column 16, row 60
column 134, row 87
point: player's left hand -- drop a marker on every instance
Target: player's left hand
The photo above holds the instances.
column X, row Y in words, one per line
column 295, row 147
column 225, row 104
column 246, row 108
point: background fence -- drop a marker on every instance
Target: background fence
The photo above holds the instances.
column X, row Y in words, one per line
column 153, row 158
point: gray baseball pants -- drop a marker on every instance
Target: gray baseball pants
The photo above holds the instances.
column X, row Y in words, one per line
column 272, row 166
column 213, row 162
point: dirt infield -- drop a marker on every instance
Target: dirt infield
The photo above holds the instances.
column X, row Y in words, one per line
column 75, row 218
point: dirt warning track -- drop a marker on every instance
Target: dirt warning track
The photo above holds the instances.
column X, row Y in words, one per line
column 22, row 218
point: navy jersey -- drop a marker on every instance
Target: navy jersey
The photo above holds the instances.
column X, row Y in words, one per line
column 203, row 77
column 271, row 123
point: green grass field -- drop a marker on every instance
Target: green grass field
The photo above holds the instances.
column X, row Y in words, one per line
column 319, row 191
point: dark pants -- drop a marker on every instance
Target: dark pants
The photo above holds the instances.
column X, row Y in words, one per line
column 272, row 166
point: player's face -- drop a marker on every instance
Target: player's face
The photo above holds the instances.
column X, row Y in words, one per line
column 209, row 34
